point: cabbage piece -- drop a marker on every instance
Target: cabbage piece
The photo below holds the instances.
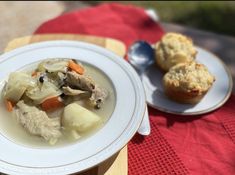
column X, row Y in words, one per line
column 79, row 118
column 17, row 84
column 40, row 67
column 40, row 93
column 57, row 78
column 53, row 65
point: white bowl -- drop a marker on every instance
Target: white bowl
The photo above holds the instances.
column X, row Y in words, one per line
column 115, row 134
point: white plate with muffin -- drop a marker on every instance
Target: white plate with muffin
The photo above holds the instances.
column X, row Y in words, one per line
column 186, row 79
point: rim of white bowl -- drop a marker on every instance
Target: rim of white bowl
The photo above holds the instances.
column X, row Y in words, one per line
column 118, row 143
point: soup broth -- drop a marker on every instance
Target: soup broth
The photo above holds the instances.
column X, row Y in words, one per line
column 12, row 130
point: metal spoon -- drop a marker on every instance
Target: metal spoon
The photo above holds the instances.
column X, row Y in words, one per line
column 141, row 55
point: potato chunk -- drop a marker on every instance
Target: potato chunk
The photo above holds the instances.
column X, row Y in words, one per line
column 79, row 118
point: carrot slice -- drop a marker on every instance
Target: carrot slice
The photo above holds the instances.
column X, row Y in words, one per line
column 76, row 67
column 9, row 106
column 34, row 74
column 52, row 104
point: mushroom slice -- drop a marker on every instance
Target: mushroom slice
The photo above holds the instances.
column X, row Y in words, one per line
column 73, row 92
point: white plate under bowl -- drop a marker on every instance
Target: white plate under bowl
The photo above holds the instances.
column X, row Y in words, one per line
column 216, row 97
column 119, row 129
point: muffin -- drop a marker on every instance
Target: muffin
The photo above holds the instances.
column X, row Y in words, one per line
column 172, row 49
column 187, row 82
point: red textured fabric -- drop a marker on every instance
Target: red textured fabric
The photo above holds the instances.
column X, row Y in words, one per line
column 177, row 144
column 204, row 143
column 121, row 22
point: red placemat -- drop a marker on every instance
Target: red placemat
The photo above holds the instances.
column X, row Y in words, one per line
column 125, row 23
column 178, row 144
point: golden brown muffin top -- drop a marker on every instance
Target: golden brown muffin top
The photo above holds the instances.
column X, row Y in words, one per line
column 174, row 48
column 190, row 77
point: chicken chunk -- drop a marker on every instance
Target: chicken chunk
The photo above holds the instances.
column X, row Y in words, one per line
column 36, row 122
column 98, row 96
column 84, row 82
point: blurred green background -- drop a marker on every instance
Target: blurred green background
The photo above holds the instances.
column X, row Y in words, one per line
column 214, row 16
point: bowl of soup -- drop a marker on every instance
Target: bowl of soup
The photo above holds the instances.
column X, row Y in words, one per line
column 65, row 107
